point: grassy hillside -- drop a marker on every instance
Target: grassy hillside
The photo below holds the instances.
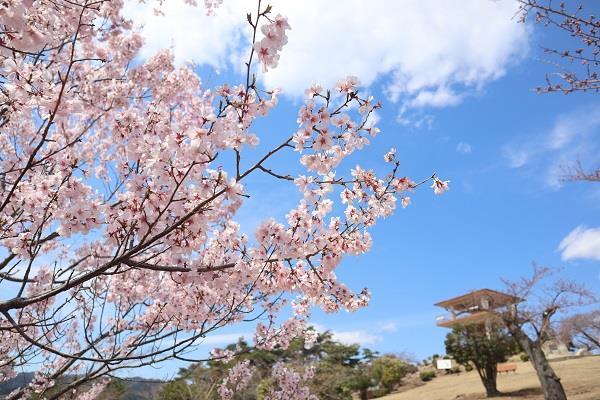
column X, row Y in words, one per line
column 581, row 378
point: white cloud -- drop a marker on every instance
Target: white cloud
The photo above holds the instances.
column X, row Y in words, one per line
column 440, row 97
column 425, row 52
column 582, row 242
column 516, row 156
column 224, row 338
column 352, row 337
column 417, row 120
column 192, row 35
column 573, row 137
column 569, row 127
column 363, row 337
column 426, row 49
column 464, row 148
column 359, row 336
column 389, row 326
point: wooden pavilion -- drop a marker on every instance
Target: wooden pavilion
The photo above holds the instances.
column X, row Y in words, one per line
column 475, row 307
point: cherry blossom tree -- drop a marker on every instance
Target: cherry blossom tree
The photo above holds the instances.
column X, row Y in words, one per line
column 582, row 330
column 532, row 321
column 579, row 64
column 121, row 184
column 578, row 173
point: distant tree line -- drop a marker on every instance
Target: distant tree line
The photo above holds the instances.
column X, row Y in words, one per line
column 340, row 370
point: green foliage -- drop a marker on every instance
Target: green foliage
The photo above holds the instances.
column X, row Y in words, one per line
column 378, row 392
column 484, row 348
column 340, row 371
column 427, row 375
column 389, row 371
column 362, row 378
column 114, row 390
column 524, row 357
column 174, row 390
column 333, row 381
column 264, row 387
column 469, row 367
column 472, row 344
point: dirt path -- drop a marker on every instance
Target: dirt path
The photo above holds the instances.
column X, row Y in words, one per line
column 580, row 377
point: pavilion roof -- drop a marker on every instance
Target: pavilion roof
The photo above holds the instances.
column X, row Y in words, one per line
column 465, row 301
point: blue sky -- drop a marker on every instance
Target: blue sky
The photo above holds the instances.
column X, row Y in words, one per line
column 458, row 99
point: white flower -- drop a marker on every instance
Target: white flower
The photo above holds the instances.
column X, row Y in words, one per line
column 439, row 186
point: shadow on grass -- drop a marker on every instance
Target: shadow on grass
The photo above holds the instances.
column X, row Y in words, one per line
column 534, row 391
column 527, row 393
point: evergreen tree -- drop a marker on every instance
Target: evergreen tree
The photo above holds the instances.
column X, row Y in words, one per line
column 483, row 348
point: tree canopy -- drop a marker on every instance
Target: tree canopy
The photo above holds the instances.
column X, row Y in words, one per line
column 483, row 348
column 339, row 371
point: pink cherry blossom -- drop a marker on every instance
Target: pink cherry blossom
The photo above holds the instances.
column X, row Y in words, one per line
column 268, row 48
column 236, row 380
column 390, row 155
column 291, row 384
column 405, row 201
column 122, row 179
column 439, row 186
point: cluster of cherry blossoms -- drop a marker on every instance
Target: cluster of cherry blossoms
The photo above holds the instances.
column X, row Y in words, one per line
column 209, row 5
column 291, row 384
column 121, row 183
column 93, row 392
column 327, row 131
column 236, row 380
column 269, row 47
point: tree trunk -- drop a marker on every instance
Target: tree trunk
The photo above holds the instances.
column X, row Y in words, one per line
column 364, row 394
column 488, row 378
column 551, row 386
column 490, row 387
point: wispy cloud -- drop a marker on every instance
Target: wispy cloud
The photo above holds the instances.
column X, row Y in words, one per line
column 357, row 337
column 224, row 338
column 464, row 148
column 440, row 97
column 515, row 156
column 426, row 53
column 581, row 243
column 389, row 326
column 378, row 330
column 573, row 137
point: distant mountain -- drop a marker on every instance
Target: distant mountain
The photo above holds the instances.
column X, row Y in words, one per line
column 17, row 382
column 136, row 388
column 140, row 389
